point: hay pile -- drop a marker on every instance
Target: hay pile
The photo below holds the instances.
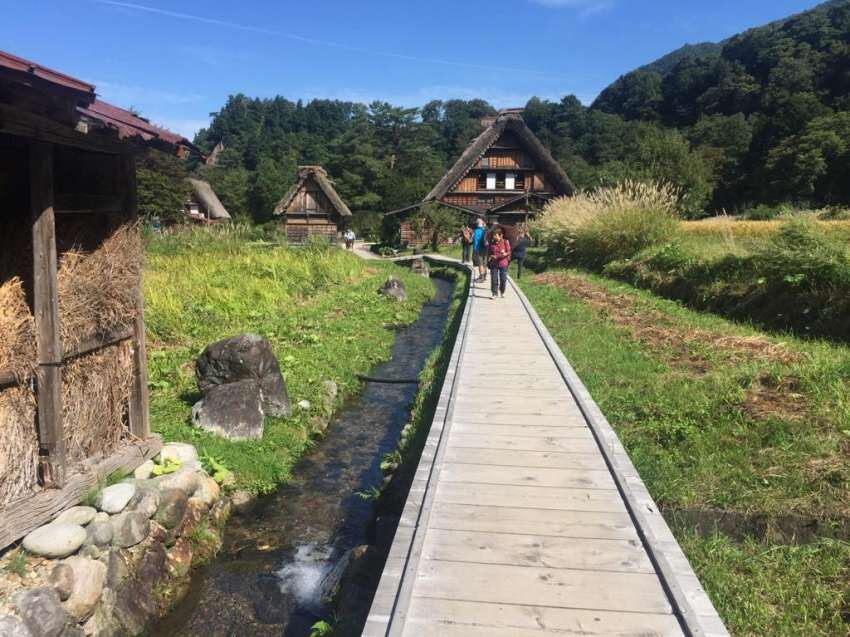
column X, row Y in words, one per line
column 97, row 294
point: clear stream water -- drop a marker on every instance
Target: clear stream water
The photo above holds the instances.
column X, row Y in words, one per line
column 266, row 579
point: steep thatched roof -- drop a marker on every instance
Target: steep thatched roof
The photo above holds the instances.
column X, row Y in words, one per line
column 512, row 121
column 320, row 176
column 208, row 199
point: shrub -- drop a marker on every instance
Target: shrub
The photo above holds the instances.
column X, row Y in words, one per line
column 802, row 255
column 609, row 224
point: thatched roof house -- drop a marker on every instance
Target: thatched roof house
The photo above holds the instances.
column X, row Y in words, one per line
column 205, row 205
column 73, row 375
column 312, row 207
column 504, row 175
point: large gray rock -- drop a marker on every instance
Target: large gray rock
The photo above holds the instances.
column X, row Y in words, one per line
column 62, row 580
column 393, row 288
column 144, row 470
column 244, row 357
column 129, row 528
column 146, row 500
column 115, row 498
column 233, row 411
column 11, row 626
column 57, row 539
column 184, row 479
column 41, row 611
column 89, row 579
column 81, row 515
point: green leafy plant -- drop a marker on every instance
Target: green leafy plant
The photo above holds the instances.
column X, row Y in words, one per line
column 169, row 465
column 215, row 467
column 17, row 563
column 372, row 493
column 321, row 629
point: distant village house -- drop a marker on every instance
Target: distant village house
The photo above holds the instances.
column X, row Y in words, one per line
column 204, row 206
column 312, row 208
column 505, row 176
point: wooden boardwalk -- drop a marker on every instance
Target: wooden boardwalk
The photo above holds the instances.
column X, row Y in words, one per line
column 526, row 517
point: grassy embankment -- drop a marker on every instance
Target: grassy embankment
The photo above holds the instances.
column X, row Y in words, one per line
column 717, row 416
column 318, row 307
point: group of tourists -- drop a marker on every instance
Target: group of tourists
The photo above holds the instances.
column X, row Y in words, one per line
column 489, row 249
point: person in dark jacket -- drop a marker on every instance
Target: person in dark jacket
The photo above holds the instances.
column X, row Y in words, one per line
column 466, row 244
column 522, row 243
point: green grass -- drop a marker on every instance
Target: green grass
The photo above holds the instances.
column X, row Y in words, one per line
column 769, row 589
column 318, row 308
column 678, row 405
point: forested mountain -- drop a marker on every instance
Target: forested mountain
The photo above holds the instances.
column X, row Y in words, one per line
column 762, row 117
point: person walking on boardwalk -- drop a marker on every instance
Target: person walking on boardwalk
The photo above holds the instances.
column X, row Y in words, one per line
column 523, row 241
column 466, row 243
column 479, row 251
column 499, row 258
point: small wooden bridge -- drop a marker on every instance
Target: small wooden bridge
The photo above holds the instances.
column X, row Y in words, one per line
column 526, row 517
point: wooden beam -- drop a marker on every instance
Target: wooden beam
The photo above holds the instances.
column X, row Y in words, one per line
column 139, row 396
column 46, row 305
column 25, row 515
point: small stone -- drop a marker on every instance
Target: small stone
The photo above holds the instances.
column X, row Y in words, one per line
column 144, row 470
column 90, row 551
column 99, row 533
column 77, row 515
column 208, row 490
column 172, row 507
column 116, row 569
column 195, row 510
column 89, row 579
column 55, row 539
column 62, row 580
column 330, row 391
column 182, row 452
column 304, row 405
column 129, row 528
column 113, row 499
column 145, row 501
column 11, row 626
column 393, row 288
column 101, row 516
column 76, row 631
column 179, row 558
column 241, row 500
column 41, row 611
column 184, row 479
column 219, row 512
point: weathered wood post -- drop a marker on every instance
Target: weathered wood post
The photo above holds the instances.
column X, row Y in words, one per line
column 46, row 306
column 139, row 395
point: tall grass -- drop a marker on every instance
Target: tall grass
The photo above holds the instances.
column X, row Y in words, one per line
column 610, row 223
column 317, row 306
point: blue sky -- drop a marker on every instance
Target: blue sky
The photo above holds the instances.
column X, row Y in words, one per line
column 178, row 61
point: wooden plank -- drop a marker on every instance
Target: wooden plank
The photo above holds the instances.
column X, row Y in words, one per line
column 538, row 431
column 454, row 618
column 20, row 517
column 564, row 443
column 139, row 394
column 565, row 588
column 491, row 418
column 46, row 310
column 503, row 519
column 511, row 458
column 513, row 549
column 519, row 497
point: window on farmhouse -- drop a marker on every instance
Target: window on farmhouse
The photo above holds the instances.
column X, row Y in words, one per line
column 491, row 181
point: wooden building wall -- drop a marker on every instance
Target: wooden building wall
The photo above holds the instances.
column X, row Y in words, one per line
column 311, row 214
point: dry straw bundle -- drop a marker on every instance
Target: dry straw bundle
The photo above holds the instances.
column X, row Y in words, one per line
column 97, row 294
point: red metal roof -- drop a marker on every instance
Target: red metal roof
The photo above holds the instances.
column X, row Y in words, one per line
column 127, row 126
column 13, row 62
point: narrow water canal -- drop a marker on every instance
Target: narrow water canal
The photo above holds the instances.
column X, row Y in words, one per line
column 266, row 579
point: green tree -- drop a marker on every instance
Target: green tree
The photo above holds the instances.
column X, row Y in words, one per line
column 162, row 188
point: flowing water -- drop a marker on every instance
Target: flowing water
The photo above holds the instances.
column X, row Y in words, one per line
column 266, row 579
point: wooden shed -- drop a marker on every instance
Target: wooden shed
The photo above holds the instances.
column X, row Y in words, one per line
column 505, row 176
column 312, row 207
column 73, row 378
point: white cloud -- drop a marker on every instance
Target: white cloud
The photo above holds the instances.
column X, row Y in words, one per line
column 585, row 8
column 130, row 95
